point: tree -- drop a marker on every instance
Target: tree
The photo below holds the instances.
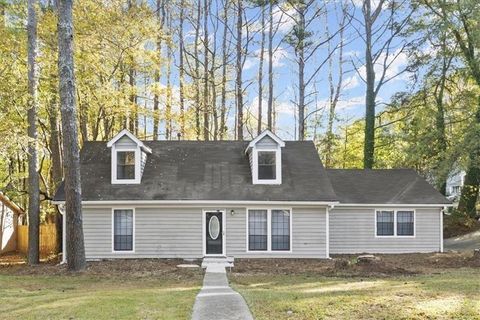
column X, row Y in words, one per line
column 381, row 50
column 33, row 178
column 73, row 191
column 461, row 19
column 239, row 70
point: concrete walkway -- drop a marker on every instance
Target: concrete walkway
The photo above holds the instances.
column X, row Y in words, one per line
column 217, row 301
column 468, row 241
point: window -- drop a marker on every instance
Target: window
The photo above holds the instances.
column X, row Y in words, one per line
column 123, row 230
column 267, row 165
column 395, row 223
column 385, row 223
column 125, row 165
column 280, row 230
column 257, row 226
column 269, row 230
column 405, row 223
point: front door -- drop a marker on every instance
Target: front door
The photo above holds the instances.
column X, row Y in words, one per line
column 214, row 233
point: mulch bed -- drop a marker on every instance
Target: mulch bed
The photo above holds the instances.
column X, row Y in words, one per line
column 15, row 264
column 347, row 265
column 340, row 265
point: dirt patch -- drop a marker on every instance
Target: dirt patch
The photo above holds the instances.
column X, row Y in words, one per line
column 14, row 264
column 347, row 265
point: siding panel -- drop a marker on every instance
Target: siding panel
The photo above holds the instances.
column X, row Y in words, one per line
column 352, row 230
column 177, row 233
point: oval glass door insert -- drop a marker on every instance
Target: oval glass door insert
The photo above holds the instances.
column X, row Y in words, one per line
column 214, row 227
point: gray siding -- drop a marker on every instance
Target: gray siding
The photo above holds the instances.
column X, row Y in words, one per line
column 352, row 230
column 266, row 143
column 159, row 233
column 177, row 232
column 308, row 235
column 125, row 142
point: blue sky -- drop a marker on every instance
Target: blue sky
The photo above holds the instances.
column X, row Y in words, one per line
column 351, row 104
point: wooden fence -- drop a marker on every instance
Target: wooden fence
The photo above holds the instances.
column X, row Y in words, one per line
column 48, row 238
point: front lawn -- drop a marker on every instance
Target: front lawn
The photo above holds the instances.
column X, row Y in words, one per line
column 450, row 294
column 113, row 290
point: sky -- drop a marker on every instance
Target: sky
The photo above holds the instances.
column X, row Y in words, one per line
column 351, row 104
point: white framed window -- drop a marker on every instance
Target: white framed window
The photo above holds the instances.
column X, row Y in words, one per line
column 123, row 230
column 269, row 230
column 394, row 223
column 267, row 166
column 126, row 165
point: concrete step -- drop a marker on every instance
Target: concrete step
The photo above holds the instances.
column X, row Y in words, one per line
column 218, row 262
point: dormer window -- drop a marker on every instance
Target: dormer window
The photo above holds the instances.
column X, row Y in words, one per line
column 267, row 168
column 265, row 153
column 129, row 156
column 125, row 165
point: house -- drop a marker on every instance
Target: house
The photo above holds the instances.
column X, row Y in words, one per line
column 454, row 186
column 9, row 213
column 259, row 199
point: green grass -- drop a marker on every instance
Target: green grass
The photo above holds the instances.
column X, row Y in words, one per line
column 451, row 295
column 95, row 297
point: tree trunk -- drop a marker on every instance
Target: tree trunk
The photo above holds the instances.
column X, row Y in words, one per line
column 301, row 78
column 369, row 144
column 239, row 69
column 33, row 178
column 469, row 196
column 197, row 72
column 56, row 167
column 160, row 7
column 182, row 70
column 223, row 111
column 260, row 73
column 205, row 73
column 334, row 91
column 270, row 68
column 168, row 106
column 73, row 191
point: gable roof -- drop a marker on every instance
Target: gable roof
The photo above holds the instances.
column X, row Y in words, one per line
column 383, row 186
column 205, row 170
column 132, row 137
column 264, row 134
column 9, row 203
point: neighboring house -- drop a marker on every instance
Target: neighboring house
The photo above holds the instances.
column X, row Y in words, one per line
column 9, row 213
column 455, row 183
column 262, row 198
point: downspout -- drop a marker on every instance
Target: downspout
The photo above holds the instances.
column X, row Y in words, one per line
column 327, row 230
column 441, row 228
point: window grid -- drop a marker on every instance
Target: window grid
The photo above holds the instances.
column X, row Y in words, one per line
column 405, row 223
column 269, row 230
column 267, row 169
column 125, row 165
column 123, row 230
column 257, row 227
column 280, row 230
column 385, row 223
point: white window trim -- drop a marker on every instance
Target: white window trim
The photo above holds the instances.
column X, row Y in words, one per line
column 113, row 232
column 224, row 232
column 278, row 166
column 269, row 231
column 395, row 211
column 138, row 165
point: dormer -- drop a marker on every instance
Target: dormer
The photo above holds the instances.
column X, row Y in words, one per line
column 129, row 155
column 265, row 155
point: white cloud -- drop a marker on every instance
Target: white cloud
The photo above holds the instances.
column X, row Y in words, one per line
column 396, row 62
column 350, row 83
column 278, row 59
column 283, row 19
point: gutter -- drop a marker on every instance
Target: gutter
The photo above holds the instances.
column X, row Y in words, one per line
column 202, row 202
